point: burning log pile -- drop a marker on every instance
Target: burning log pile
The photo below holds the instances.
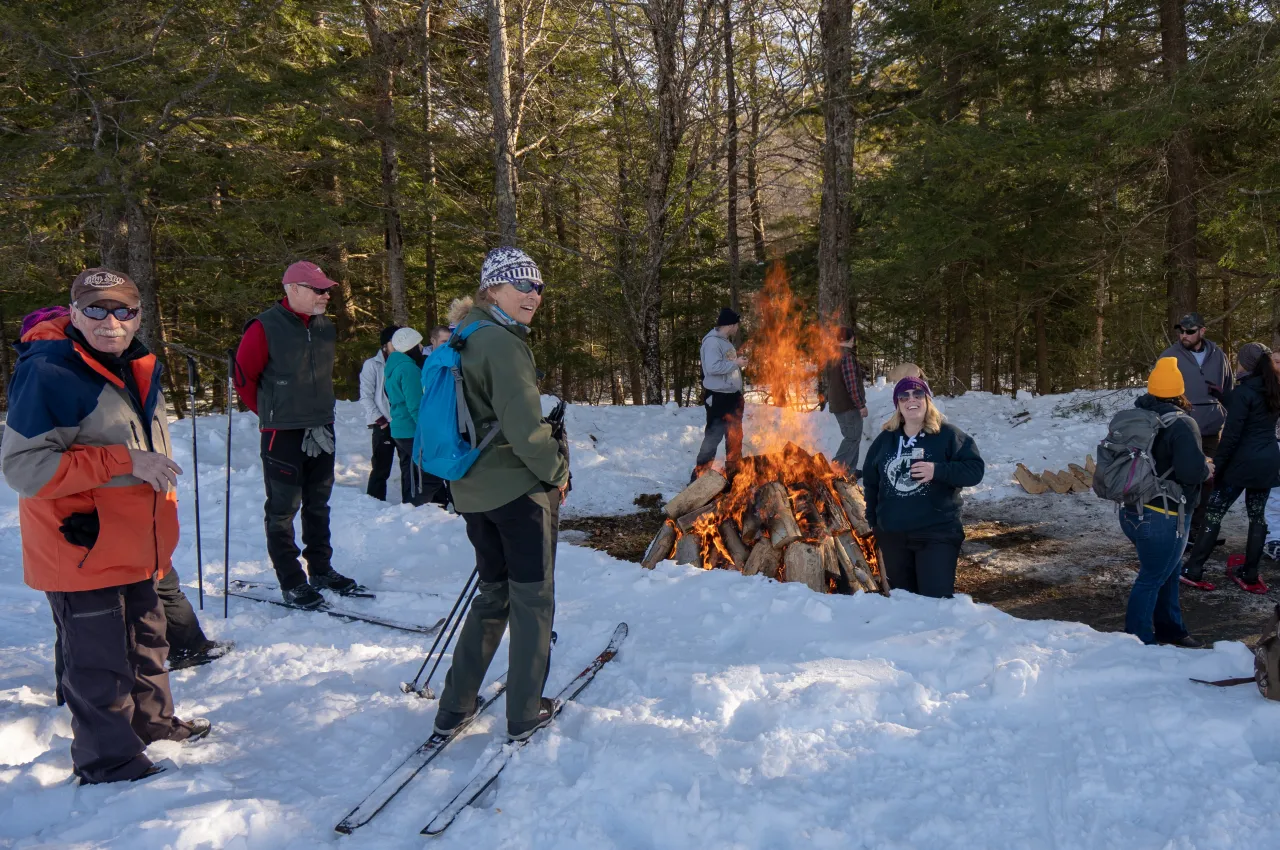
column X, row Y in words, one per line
column 789, row 516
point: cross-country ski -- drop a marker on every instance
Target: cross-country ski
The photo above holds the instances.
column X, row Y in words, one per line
column 491, row 769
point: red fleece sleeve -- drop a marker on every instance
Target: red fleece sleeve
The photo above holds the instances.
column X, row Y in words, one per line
column 251, row 359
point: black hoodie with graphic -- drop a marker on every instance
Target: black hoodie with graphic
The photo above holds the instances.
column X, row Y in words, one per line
column 898, row 502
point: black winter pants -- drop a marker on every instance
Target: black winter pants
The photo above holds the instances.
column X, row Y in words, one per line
column 1209, row 444
column 424, row 486
column 113, row 648
column 293, row 481
column 724, row 422
column 516, row 559
column 182, row 627
column 922, row 562
column 382, row 455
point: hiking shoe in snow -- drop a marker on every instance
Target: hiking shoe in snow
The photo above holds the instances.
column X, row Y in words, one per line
column 185, row 731
column 303, row 596
column 447, row 722
column 210, row 650
column 1186, row 642
column 1272, row 549
column 520, row 730
column 331, row 580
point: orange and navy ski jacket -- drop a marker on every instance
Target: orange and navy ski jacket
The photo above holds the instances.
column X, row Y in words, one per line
column 66, row 449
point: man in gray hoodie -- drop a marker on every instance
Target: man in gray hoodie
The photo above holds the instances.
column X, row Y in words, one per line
column 722, row 385
column 1206, row 372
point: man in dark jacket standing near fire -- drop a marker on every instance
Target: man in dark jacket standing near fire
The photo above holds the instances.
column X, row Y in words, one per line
column 1207, row 375
column 284, row 373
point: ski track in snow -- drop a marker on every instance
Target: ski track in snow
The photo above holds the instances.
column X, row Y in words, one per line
column 740, row 713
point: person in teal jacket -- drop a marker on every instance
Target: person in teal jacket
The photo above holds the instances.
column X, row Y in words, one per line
column 403, row 374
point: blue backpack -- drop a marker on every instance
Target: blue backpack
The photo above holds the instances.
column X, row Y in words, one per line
column 447, row 443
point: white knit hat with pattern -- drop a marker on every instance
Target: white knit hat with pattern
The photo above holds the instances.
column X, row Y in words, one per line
column 508, row 265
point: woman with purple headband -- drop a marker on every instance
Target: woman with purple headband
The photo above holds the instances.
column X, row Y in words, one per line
column 912, row 477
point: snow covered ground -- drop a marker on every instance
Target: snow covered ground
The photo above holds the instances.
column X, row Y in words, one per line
column 740, row 714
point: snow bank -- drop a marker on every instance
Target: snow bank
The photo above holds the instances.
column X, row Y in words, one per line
column 741, row 713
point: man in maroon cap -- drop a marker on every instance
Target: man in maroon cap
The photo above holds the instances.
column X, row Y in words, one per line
column 284, row 373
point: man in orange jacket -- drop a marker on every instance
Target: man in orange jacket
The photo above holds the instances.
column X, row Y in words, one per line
column 87, row 449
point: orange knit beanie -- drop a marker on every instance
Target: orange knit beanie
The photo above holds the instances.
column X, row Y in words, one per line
column 1166, row 380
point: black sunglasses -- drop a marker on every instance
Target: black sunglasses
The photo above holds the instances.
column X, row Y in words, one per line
column 316, row 290
column 97, row 312
column 907, row 395
column 527, row 286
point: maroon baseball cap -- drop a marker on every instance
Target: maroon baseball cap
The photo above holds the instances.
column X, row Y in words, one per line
column 309, row 274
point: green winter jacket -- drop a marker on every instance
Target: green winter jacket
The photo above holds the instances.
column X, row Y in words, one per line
column 404, row 391
column 499, row 379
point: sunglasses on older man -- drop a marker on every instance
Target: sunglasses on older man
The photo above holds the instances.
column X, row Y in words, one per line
column 97, row 312
column 316, row 289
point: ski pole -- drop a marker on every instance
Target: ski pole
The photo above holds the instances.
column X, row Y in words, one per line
column 412, row 687
column 195, row 463
column 226, row 538
column 426, row 692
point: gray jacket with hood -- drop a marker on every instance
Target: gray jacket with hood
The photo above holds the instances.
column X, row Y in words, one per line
column 1208, row 412
column 719, row 373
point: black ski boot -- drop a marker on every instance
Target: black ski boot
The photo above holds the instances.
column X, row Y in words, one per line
column 332, row 580
column 448, row 721
column 521, row 730
column 204, row 653
column 303, row 596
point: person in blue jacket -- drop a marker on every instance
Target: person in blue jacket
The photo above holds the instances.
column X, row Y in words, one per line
column 912, row 477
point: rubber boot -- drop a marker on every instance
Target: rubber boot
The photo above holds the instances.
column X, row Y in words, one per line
column 1193, row 570
column 1253, row 552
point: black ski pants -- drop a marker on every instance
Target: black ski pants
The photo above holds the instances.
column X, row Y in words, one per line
column 113, row 649
column 516, row 559
column 293, row 481
column 921, row 562
column 182, row 627
column 1209, row 445
column 382, row 455
column 724, row 422
column 420, row 487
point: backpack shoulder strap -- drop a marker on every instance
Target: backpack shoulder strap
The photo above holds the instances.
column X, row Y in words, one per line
column 459, row 338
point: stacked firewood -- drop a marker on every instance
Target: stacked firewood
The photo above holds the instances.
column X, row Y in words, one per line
column 788, row 516
column 1074, row 479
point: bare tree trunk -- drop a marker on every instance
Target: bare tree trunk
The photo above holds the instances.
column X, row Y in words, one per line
column 141, row 267
column 429, row 167
column 1043, row 384
column 1182, row 283
column 1228, row 344
column 1017, row 345
column 962, row 324
column 344, row 314
column 664, row 26
column 753, row 170
column 835, row 21
column 383, row 48
column 504, row 164
column 731, row 153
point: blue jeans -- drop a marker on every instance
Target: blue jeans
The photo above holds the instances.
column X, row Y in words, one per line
column 1154, row 613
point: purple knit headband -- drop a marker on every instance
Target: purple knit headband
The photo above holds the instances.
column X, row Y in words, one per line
column 911, row 384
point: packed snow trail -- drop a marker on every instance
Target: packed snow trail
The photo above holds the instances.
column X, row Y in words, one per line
column 742, row 713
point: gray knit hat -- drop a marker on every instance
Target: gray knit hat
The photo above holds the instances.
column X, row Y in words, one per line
column 1249, row 355
column 508, row 265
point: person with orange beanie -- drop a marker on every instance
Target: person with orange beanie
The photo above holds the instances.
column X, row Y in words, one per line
column 1154, row 613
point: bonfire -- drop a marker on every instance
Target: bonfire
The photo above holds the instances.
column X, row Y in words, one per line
column 787, row 513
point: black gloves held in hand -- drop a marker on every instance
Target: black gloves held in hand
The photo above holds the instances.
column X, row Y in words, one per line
column 81, row 529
